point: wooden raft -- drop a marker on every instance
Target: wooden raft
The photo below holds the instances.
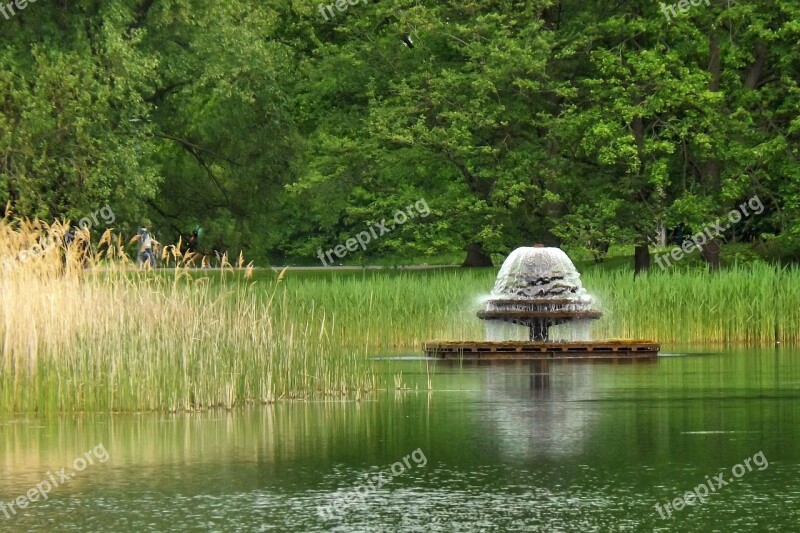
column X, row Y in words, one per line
column 530, row 350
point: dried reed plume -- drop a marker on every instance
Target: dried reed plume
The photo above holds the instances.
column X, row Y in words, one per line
column 84, row 330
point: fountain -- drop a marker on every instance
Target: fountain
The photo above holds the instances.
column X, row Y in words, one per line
column 537, row 289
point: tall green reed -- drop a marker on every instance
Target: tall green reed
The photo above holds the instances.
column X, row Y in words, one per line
column 755, row 305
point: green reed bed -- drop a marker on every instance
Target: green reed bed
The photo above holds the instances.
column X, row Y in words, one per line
column 125, row 340
column 147, row 345
column 757, row 305
column 83, row 331
column 397, row 312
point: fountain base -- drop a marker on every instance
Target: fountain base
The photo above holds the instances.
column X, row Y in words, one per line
column 539, row 289
column 532, row 350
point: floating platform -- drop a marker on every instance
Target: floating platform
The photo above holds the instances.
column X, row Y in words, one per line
column 541, row 350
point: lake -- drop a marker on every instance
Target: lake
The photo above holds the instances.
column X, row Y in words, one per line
column 563, row 446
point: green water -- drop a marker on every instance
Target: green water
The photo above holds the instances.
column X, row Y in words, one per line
column 514, row 447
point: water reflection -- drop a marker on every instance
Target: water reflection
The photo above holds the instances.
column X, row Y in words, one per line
column 519, row 446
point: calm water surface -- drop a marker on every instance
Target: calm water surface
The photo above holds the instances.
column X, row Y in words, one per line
column 513, row 447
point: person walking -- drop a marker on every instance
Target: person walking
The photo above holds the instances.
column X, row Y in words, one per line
column 145, row 249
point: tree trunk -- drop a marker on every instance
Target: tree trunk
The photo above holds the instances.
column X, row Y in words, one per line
column 713, row 169
column 477, row 257
column 641, row 259
column 661, row 239
column 710, row 252
column 552, row 16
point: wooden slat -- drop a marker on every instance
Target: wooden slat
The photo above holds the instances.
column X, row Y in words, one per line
column 541, row 350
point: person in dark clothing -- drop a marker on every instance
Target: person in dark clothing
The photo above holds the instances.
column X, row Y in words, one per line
column 191, row 245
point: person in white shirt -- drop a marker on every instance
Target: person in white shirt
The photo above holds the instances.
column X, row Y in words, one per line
column 145, row 249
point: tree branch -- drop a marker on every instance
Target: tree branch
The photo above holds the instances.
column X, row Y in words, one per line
column 141, row 16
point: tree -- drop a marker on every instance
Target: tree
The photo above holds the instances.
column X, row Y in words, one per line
column 71, row 135
column 462, row 106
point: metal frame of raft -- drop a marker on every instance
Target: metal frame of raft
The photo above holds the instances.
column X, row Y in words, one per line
column 533, row 350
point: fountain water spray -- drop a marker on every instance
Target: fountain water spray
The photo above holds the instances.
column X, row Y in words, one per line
column 537, row 288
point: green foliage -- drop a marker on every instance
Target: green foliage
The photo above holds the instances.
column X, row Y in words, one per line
column 71, row 134
column 280, row 132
